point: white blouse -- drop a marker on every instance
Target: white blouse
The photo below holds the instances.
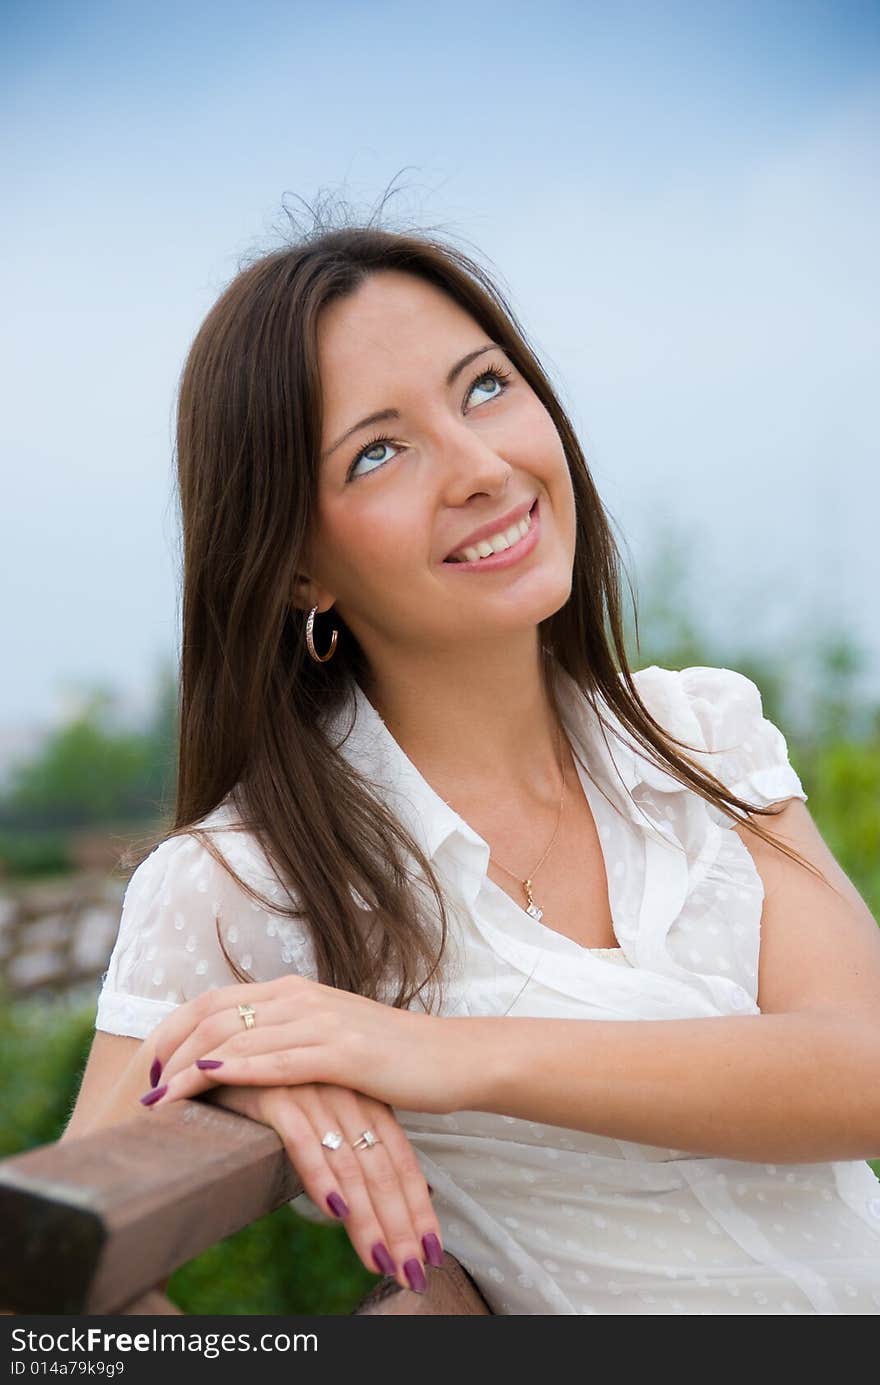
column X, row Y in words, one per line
column 550, row 1220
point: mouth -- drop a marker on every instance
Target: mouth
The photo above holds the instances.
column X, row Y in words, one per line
column 504, row 557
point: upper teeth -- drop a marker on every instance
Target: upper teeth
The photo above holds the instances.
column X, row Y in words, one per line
column 506, row 538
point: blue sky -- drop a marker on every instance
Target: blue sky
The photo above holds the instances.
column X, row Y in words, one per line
column 680, row 200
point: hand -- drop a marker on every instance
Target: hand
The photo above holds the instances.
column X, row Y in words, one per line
column 386, row 1207
column 308, row 1032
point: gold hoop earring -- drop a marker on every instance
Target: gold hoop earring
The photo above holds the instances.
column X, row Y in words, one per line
column 310, row 625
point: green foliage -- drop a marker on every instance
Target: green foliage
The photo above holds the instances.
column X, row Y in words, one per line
column 842, row 779
column 280, row 1264
column 83, row 772
column 93, row 770
column 29, row 852
column 43, row 1049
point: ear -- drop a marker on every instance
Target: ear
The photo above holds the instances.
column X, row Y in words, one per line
column 307, row 593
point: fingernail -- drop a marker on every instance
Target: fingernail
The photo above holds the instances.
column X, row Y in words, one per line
column 154, row 1095
column 433, row 1249
column 382, row 1258
column 155, row 1072
column 416, row 1275
column 338, row 1206
column 208, row 1063
column 430, row 1190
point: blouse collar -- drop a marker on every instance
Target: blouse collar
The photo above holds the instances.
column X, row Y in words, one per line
column 362, row 737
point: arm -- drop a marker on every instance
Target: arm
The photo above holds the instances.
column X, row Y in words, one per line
column 797, row 1083
column 116, row 1074
column 786, row 1088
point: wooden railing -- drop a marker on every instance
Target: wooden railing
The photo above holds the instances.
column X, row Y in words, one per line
column 95, row 1225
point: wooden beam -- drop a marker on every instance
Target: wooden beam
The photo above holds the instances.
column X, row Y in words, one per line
column 91, row 1224
column 451, row 1293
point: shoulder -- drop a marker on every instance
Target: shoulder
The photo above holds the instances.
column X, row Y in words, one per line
column 187, row 913
column 712, row 700
column 216, row 873
column 720, row 712
column 198, row 859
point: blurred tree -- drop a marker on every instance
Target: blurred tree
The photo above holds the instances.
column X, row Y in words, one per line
column 92, row 770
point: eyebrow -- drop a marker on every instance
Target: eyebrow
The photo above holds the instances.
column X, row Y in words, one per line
column 384, row 414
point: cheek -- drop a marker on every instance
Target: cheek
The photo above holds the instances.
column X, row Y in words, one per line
column 550, row 468
column 540, row 443
column 376, row 542
column 556, row 477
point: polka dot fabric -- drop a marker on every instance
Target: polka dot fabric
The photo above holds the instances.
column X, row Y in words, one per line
column 167, row 950
column 550, row 1220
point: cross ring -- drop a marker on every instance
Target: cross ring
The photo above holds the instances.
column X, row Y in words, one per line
column 247, row 1013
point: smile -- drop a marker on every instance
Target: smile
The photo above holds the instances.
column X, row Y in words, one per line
column 512, row 546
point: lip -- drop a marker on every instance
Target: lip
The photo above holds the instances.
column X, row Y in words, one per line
column 508, row 556
column 496, row 526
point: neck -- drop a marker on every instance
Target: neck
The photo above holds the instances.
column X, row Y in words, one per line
column 474, row 727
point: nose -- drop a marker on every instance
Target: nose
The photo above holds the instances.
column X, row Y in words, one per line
column 470, row 464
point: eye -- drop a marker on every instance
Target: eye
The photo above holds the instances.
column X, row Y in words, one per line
column 375, row 445
column 502, row 377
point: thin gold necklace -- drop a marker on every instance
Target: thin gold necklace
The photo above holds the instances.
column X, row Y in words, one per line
column 531, row 907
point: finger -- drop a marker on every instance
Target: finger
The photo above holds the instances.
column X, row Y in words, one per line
column 365, row 1229
column 293, row 1054
column 369, row 1232
column 246, row 1101
column 412, row 1180
column 221, row 1026
column 176, row 1027
column 286, row 1112
column 387, row 1207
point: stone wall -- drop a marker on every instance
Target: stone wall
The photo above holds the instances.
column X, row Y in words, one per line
column 57, row 935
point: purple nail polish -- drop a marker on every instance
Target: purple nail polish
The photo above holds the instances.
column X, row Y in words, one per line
column 383, row 1260
column 155, row 1072
column 433, row 1249
column 205, row 1063
column 154, row 1095
column 416, row 1275
column 338, row 1206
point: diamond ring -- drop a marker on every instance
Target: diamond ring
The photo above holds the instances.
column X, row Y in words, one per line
column 366, row 1140
column 332, row 1139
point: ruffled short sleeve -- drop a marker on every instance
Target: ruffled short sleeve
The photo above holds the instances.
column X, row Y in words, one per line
column 167, row 948
column 753, row 761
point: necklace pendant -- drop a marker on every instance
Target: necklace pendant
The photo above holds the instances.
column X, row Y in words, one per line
column 532, row 907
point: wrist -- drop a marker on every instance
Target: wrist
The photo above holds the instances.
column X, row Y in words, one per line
column 480, row 1062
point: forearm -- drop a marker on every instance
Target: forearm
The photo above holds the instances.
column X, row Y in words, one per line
column 793, row 1088
column 117, row 1102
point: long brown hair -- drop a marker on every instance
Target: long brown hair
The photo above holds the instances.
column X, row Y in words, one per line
column 249, row 431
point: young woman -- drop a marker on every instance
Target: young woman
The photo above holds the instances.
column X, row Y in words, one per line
column 436, row 846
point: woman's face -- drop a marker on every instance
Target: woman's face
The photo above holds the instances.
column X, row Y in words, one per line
column 463, row 452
